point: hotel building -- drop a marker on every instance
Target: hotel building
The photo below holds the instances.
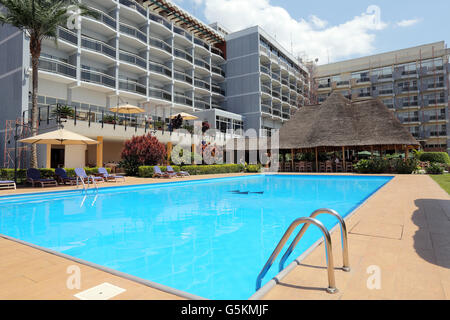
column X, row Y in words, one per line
column 412, row 82
column 154, row 55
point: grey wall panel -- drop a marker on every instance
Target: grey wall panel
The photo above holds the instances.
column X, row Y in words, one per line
column 244, row 104
column 243, row 85
column 242, row 46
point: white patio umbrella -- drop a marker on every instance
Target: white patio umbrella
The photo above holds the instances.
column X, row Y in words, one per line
column 184, row 116
column 61, row 137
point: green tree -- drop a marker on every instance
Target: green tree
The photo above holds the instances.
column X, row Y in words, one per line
column 39, row 20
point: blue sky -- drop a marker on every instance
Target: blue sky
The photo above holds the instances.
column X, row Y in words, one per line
column 333, row 30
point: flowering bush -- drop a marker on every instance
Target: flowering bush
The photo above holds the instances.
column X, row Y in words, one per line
column 142, row 151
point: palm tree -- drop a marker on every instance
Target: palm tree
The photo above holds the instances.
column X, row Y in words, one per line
column 39, row 20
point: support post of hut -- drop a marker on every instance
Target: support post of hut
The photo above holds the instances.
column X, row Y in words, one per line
column 292, row 160
column 343, row 159
column 371, row 151
column 317, row 161
column 407, row 153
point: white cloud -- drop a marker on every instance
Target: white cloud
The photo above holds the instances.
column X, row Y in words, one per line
column 408, row 23
column 313, row 36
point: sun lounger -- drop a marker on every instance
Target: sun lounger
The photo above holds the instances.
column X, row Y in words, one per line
column 34, row 177
column 63, row 178
column 7, row 184
column 109, row 177
column 180, row 174
column 157, row 173
column 81, row 174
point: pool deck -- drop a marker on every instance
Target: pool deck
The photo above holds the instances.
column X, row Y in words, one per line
column 404, row 230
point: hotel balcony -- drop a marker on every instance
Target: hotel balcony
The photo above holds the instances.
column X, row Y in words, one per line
column 266, row 90
column 56, row 70
column 160, row 72
column 98, row 50
column 218, row 72
column 133, row 36
column 133, row 87
column 132, row 62
column 265, row 72
column 202, row 65
column 159, row 93
column 104, row 23
column 183, row 79
column 67, row 40
column 201, row 46
column 182, row 100
column 182, row 37
column 217, row 90
column 160, row 24
column 183, row 58
column 160, row 48
column 217, row 55
column 202, row 86
column 133, row 11
column 202, row 105
column 98, row 80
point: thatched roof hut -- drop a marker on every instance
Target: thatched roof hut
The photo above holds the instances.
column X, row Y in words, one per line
column 338, row 122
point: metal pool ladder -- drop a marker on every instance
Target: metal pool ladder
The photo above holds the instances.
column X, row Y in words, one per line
column 328, row 246
column 84, row 185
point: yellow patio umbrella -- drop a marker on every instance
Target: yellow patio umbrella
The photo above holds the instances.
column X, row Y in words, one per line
column 61, row 137
column 127, row 109
column 184, row 116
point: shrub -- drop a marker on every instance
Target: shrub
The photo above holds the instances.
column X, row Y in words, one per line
column 147, row 171
column 141, row 151
column 214, row 169
column 253, row 168
column 377, row 165
column 435, row 168
column 435, row 157
column 406, row 166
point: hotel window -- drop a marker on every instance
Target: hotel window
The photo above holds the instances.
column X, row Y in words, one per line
column 384, row 89
column 383, row 73
column 362, row 76
column 407, row 69
column 324, row 83
column 434, row 98
column 389, row 103
column 408, row 102
column 223, row 124
column 362, row 92
column 238, row 125
column 433, row 64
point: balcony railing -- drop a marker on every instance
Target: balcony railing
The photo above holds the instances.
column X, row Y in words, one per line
column 201, row 43
column 217, row 89
column 98, row 46
column 183, row 55
column 276, row 94
column 58, row 67
column 134, row 5
column 178, row 98
column 201, row 84
column 160, row 20
column 159, row 93
column 182, row 33
column 105, row 18
column 438, row 133
column 202, row 63
column 385, row 92
column 436, row 101
column 266, row 108
column 276, row 76
column 218, row 70
column 134, row 32
column 160, row 68
column 408, row 89
column 98, row 78
column 182, row 77
column 199, row 104
column 266, row 89
column 217, row 52
column 132, row 86
column 68, row 36
column 265, row 70
column 286, row 116
column 132, row 59
column 160, row 44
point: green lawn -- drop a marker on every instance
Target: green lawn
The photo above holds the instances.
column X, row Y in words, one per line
column 443, row 180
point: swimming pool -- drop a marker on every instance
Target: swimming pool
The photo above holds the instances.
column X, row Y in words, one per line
column 207, row 237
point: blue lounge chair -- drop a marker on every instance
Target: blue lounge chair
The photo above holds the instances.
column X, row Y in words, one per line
column 108, row 176
column 81, row 174
column 157, row 173
column 180, row 174
column 7, row 184
column 34, row 177
column 63, row 178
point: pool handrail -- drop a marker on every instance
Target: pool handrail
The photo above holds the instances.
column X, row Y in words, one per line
column 344, row 239
column 328, row 249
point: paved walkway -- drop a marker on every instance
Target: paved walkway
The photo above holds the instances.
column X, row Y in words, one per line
column 404, row 230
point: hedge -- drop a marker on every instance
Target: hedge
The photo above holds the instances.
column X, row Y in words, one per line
column 213, row 169
column 147, row 171
column 253, row 168
column 435, row 157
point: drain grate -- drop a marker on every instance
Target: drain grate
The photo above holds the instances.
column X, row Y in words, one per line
column 104, row 291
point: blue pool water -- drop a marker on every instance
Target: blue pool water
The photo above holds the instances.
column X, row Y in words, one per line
column 198, row 236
